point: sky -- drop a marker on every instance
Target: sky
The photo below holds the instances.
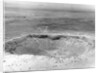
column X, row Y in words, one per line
column 90, row 2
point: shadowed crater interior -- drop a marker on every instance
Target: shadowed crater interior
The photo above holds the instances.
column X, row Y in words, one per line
column 59, row 45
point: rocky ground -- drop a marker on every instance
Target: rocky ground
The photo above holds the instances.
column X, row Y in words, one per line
column 45, row 52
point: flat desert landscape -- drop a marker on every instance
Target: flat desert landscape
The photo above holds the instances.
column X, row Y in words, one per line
column 48, row 36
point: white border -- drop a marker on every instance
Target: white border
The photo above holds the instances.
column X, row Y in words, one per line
column 1, row 35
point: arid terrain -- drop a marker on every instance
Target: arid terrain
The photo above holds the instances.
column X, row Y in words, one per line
column 46, row 36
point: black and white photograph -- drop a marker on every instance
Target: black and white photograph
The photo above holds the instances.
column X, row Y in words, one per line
column 41, row 36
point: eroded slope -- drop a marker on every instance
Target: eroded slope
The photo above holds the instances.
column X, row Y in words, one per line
column 44, row 52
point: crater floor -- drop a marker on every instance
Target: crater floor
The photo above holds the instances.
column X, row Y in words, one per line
column 45, row 52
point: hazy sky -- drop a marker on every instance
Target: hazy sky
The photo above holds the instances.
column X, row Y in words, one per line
column 55, row 6
column 90, row 2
